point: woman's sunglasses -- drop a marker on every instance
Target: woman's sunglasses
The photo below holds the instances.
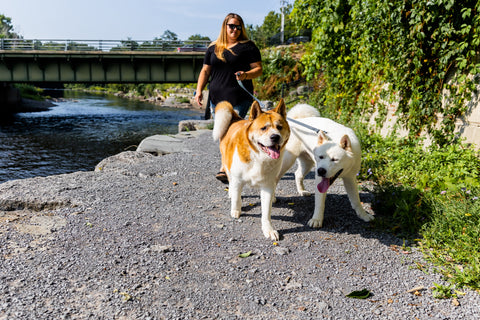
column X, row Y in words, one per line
column 234, row 26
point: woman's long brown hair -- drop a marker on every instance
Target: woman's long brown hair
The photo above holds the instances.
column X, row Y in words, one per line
column 221, row 43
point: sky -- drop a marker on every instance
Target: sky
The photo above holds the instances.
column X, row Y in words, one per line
column 134, row 19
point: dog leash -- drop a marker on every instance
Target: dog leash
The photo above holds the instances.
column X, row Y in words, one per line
column 289, row 119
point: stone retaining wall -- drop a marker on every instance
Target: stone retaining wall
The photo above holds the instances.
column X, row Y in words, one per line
column 468, row 127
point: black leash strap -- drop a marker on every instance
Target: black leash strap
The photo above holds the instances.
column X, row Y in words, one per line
column 289, row 119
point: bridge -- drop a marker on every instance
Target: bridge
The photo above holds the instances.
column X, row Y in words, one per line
column 98, row 61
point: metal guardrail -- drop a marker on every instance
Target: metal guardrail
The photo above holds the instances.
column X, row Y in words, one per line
column 94, row 45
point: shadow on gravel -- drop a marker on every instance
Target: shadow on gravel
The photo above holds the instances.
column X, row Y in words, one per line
column 339, row 214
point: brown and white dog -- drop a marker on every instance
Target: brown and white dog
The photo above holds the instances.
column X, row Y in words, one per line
column 252, row 152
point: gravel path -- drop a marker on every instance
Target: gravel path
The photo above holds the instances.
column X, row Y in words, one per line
column 150, row 237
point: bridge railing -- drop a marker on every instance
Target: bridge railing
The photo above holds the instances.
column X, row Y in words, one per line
column 95, row 45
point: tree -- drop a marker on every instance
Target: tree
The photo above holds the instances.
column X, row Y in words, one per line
column 169, row 36
column 196, row 37
column 269, row 32
column 168, row 40
column 6, row 28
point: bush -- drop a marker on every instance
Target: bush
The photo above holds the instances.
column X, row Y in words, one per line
column 30, row 92
column 430, row 193
column 405, row 51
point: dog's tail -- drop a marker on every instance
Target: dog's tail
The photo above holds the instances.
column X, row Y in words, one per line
column 224, row 117
column 303, row 111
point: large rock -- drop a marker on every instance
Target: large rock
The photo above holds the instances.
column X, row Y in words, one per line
column 160, row 144
column 141, row 162
column 194, row 125
column 163, row 144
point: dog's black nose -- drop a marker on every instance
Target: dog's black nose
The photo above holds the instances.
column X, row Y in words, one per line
column 321, row 172
column 275, row 138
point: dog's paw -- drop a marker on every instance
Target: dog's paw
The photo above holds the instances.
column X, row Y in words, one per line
column 315, row 223
column 236, row 214
column 271, row 234
column 305, row 193
column 366, row 217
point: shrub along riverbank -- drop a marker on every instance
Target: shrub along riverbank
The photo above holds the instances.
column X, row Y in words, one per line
column 432, row 195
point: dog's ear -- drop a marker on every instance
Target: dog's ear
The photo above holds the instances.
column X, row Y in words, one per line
column 345, row 143
column 255, row 111
column 281, row 109
column 322, row 138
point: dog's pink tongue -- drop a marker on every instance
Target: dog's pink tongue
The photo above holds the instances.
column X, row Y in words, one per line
column 273, row 153
column 324, row 185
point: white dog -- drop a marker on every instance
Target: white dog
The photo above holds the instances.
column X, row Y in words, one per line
column 334, row 151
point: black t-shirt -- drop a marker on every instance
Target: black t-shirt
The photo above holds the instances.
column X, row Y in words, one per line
column 223, row 84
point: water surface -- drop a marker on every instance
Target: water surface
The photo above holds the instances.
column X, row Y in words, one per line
column 78, row 133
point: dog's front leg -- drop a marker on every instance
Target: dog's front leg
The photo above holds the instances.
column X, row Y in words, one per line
column 235, row 192
column 304, row 166
column 266, row 195
column 351, row 187
column 317, row 220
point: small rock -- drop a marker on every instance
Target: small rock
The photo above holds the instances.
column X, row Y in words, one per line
column 281, row 250
column 293, row 285
column 162, row 249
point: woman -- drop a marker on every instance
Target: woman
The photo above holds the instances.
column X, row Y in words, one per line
column 230, row 58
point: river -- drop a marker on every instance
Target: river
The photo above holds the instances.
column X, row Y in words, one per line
column 79, row 132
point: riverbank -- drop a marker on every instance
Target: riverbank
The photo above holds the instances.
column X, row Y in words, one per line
column 149, row 237
column 29, row 105
column 177, row 97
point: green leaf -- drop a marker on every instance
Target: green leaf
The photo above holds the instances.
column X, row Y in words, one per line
column 360, row 294
column 245, row 255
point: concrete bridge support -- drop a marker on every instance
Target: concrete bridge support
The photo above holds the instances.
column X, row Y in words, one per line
column 9, row 97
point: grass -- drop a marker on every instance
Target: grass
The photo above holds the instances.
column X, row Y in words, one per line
column 430, row 194
column 30, row 92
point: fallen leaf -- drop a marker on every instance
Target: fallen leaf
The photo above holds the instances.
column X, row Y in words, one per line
column 359, row 294
column 245, row 255
column 455, row 302
column 126, row 296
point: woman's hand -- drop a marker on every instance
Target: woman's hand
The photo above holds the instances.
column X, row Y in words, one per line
column 202, row 81
column 199, row 98
column 255, row 71
column 241, row 75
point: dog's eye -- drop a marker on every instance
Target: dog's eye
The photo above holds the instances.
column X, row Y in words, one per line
column 279, row 127
column 321, row 157
column 334, row 160
column 264, row 128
